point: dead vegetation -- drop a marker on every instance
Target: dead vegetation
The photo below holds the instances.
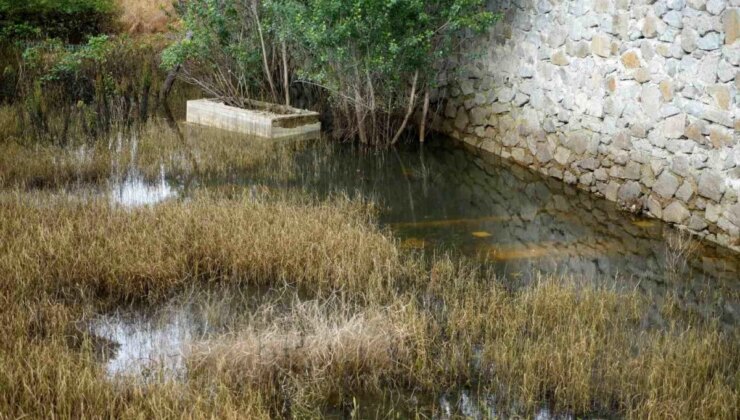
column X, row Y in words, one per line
column 145, row 16
column 372, row 318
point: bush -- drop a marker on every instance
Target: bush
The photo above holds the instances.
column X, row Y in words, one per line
column 87, row 87
column 68, row 19
column 376, row 60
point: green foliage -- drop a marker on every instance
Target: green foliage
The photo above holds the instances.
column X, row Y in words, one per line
column 223, row 53
column 68, row 19
column 71, row 7
column 102, row 82
column 388, row 37
column 367, row 55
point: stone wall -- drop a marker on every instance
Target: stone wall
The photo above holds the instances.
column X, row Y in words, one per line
column 633, row 100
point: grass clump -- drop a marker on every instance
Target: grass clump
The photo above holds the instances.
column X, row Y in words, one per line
column 313, row 353
column 145, row 253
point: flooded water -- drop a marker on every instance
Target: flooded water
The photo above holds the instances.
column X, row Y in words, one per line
column 443, row 196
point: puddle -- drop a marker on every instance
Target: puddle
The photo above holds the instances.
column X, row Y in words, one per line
column 135, row 192
column 146, row 346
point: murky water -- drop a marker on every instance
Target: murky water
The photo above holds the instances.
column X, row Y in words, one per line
column 444, row 196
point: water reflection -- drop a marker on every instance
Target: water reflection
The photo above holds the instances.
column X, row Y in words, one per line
column 146, row 346
column 134, row 191
column 447, row 196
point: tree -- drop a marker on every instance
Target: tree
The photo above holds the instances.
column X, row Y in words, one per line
column 376, row 60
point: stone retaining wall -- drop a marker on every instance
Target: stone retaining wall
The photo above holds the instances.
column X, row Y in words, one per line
column 636, row 101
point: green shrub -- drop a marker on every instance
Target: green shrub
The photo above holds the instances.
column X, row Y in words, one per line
column 68, row 19
column 375, row 60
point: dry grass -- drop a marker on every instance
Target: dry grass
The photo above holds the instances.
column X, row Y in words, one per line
column 145, row 16
column 75, row 247
column 316, row 351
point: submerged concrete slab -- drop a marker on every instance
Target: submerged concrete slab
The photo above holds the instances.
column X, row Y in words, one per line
column 262, row 120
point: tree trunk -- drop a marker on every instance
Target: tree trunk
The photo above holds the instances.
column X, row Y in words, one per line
column 268, row 74
column 286, row 80
column 409, row 111
column 424, row 113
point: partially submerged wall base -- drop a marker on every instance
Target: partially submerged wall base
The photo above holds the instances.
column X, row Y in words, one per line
column 266, row 120
column 635, row 101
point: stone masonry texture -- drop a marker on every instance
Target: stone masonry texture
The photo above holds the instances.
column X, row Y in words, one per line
column 633, row 100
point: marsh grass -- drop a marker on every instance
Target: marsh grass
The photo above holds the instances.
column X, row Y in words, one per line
column 369, row 317
column 149, row 150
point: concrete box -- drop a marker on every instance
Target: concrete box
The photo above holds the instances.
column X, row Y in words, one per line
column 262, row 119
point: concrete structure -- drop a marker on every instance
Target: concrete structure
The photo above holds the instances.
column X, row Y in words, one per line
column 264, row 120
column 633, row 100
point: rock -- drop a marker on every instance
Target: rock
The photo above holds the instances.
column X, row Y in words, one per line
column 466, row 86
column 641, row 75
column 685, row 192
column 689, row 38
column 666, row 90
column 673, row 127
column 730, row 228
column 721, row 95
column 680, row 165
column 697, row 223
column 611, row 190
column 461, row 120
column 499, row 108
column 654, row 207
column 676, row 4
column 725, row 71
column 711, row 185
column 718, row 116
column 629, row 192
column 557, row 37
column 543, row 154
column 505, row 94
column 518, row 154
column 630, row 59
column 588, row 163
column 601, row 45
column 694, row 130
column 569, row 178
column 479, row 116
column 720, row 137
column 632, row 171
column 560, row 59
column 675, row 213
column 716, row 7
column 601, row 174
column 666, row 185
column 674, row 19
column 697, row 4
column 709, row 42
column 650, row 101
column 622, row 141
column 712, row 212
column 669, row 110
column 731, row 25
column 733, row 214
column 649, row 26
